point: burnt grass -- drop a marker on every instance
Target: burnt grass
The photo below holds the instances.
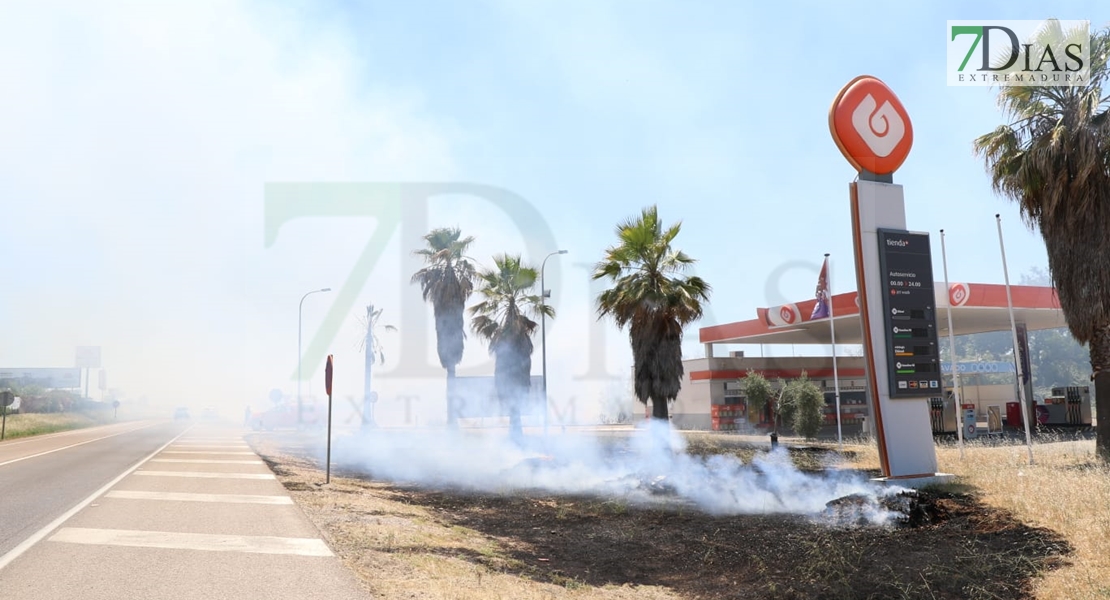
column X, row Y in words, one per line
column 950, row 545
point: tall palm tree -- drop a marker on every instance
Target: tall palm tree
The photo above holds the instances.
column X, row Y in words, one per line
column 375, row 353
column 1053, row 160
column 655, row 299
column 447, row 280
column 502, row 318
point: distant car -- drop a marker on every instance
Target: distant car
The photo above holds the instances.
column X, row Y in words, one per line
column 182, row 412
column 209, row 413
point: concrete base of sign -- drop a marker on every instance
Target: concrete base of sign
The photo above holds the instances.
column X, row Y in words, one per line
column 905, row 437
column 917, row 481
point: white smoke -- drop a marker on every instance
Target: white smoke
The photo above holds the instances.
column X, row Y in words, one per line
column 650, row 467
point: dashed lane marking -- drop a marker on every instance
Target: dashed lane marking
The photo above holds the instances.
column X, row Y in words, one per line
column 192, row 541
column 188, row 497
column 207, row 475
column 206, row 461
column 221, row 452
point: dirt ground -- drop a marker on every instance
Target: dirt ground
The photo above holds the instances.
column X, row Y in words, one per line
column 535, row 545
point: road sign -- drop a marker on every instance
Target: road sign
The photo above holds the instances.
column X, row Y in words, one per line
column 6, row 398
column 327, row 376
column 909, row 310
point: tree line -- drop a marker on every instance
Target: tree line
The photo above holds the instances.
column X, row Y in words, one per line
column 650, row 295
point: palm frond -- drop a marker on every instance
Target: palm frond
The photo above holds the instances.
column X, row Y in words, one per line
column 1053, row 160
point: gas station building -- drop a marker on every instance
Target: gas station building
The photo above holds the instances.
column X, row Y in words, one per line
column 712, row 397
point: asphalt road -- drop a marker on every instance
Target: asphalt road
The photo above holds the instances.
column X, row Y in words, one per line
column 156, row 510
column 43, row 477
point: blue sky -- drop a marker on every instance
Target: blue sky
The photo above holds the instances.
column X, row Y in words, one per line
column 139, row 139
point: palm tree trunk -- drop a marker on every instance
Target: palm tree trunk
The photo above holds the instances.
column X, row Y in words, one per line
column 659, row 409
column 452, row 416
column 367, row 375
column 1100, row 366
column 516, row 429
column 367, row 405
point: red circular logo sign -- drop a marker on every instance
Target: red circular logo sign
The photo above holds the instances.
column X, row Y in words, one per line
column 786, row 315
column 958, row 294
column 779, row 316
column 870, row 126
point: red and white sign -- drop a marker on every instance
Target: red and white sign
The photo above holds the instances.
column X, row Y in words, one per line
column 870, row 126
column 958, row 294
column 783, row 316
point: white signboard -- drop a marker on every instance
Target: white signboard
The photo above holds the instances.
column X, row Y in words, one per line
column 43, row 377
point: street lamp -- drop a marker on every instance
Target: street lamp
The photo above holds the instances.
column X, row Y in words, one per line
column 300, row 311
column 544, row 293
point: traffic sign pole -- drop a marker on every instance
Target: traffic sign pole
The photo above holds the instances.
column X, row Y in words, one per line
column 327, row 387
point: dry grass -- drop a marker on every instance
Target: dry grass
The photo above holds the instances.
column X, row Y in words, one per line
column 404, row 551
column 1065, row 490
column 23, row 425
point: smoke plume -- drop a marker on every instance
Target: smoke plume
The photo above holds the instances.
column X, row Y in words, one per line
column 649, row 466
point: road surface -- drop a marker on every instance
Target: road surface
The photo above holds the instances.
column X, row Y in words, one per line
column 42, row 477
column 155, row 510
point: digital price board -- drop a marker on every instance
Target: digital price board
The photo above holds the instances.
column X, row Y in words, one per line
column 909, row 314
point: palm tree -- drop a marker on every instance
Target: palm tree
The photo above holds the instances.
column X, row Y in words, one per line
column 447, row 281
column 653, row 297
column 502, row 319
column 374, row 354
column 1052, row 160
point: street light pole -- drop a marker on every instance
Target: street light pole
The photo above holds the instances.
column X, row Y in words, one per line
column 543, row 332
column 300, row 311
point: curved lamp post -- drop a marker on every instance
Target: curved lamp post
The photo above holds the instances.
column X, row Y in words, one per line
column 544, row 293
column 300, row 310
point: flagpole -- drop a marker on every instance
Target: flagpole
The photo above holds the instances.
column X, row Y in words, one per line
column 832, row 337
column 952, row 352
column 1013, row 332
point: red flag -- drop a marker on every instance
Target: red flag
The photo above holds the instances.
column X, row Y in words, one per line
column 821, row 309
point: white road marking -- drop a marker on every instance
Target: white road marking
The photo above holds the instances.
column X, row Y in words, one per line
column 208, row 452
column 207, row 475
column 206, row 461
column 15, row 460
column 186, row 497
column 225, row 447
column 193, row 541
column 67, row 433
column 36, row 537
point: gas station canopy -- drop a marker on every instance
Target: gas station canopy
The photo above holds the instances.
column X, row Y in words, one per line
column 976, row 308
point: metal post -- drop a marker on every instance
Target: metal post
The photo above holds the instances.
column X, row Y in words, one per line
column 543, row 333
column 1013, row 332
column 327, row 388
column 952, row 352
column 300, row 311
column 832, row 336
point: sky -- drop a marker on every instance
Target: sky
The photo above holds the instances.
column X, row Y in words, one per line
column 178, row 175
